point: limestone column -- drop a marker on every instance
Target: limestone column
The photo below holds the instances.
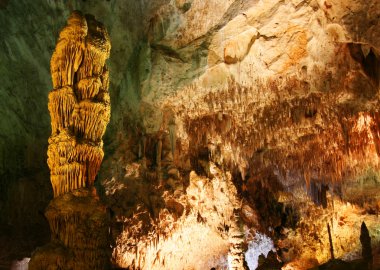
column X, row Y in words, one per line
column 236, row 256
column 79, row 107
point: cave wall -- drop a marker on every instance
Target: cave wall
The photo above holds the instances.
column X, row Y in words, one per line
column 281, row 94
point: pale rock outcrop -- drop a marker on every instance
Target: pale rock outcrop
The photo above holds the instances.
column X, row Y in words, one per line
column 238, row 47
column 283, row 94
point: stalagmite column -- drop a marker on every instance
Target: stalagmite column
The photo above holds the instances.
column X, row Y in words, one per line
column 79, row 107
column 79, row 104
column 158, row 159
column 236, row 258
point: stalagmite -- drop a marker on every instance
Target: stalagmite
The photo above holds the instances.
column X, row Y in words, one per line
column 79, row 104
column 158, row 159
column 79, row 107
column 365, row 240
column 331, row 242
column 172, row 136
column 236, row 258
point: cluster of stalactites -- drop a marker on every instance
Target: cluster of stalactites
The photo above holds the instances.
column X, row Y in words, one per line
column 79, row 103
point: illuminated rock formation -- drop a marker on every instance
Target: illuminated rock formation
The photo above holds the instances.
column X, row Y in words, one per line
column 232, row 119
column 79, row 107
column 281, row 95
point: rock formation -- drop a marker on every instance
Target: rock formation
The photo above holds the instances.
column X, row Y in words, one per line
column 79, row 106
column 365, row 240
column 231, row 120
column 283, row 97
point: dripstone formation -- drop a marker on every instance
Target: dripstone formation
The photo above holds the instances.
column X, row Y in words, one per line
column 79, row 106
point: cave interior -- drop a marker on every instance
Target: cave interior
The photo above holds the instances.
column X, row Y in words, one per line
column 189, row 134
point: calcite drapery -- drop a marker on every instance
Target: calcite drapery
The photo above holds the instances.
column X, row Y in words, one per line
column 79, row 104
